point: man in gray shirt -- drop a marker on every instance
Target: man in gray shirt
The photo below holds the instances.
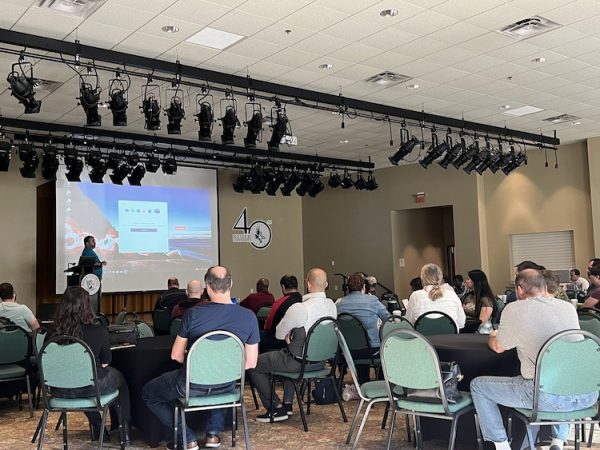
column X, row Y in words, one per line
column 526, row 325
column 294, row 326
column 18, row 314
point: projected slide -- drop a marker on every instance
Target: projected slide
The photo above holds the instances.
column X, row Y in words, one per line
column 145, row 233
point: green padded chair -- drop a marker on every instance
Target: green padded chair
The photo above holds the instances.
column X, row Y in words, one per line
column 161, row 318
column 215, row 358
column 66, row 362
column 590, row 321
column 435, row 322
column 371, row 392
column 394, row 323
column 410, row 362
column 357, row 339
column 262, row 315
column 15, row 353
column 321, row 345
column 564, row 367
column 175, row 325
column 144, row 330
column 102, row 320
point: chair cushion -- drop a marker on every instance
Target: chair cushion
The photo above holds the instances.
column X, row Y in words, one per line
column 367, row 362
column 435, row 407
column 11, row 371
column 560, row 415
column 86, row 402
column 216, row 399
column 374, row 389
column 307, row 374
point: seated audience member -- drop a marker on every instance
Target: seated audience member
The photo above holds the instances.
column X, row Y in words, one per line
column 195, row 296
column 298, row 319
column 75, row 317
column 479, row 302
column 458, row 283
column 262, row 297
column 518, row 268
column 370, row 285
column 416, row 284
column 515, row 331
column 593, row 300
column 218, row 314
column 435, row 296
column 18, row 314
column 369, row 310
column 553, row 285
column 172, row 296
column 581, row 284
column 289, row 287
column 592, row 262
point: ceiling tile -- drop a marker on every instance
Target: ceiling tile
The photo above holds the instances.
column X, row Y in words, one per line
column 347, row 6
column 422, row 47
column 298, row 77
column 354, row 27
column 450, row 56
column 228, row 62
column 499, row 17
column 462, row 9
column 292, row 57
column 425, row 23
column 189, row 54
column 315, row 18
column 239, row 22
column 579, row 47
column 121, row 16
column 418, row 68
column 388, row 39
column 98, row 35
column 486, row 43
column 356, row 52
column 568, row 13
column 444, row 75
column 145, row 45
column 277, row 33
column 321, row 44
column 387, row 60
column 197, row 11
column 155, row 6
column 265, row 70
column 11, row 12
column 47, row 22
column 457, row 33
column 272, row 10
column 254, row 48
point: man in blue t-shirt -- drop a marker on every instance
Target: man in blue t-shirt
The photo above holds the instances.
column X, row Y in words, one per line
column 218, row 314
column 89, row 244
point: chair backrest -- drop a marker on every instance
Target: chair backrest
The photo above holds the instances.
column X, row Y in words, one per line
column 217, row 357
column 263, row 312
column 509, row 292
column 6, row 321
column 590, row 322
column 102, row 320
column 15, row 344
column 120, row 319
column 435, row 322
column 348, row 357
column 567, row 364
column 355, row 333
column 321, row 342
column 394, row 323
column 175, row 325
column 161, row 318
column 497, row 313
column 409, row 361
column 144, row 330
column 38, row 338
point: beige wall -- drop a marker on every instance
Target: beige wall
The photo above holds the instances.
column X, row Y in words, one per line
column 593, row 155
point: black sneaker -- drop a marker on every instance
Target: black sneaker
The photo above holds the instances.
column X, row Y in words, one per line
column 288, row 408
column 279, row 415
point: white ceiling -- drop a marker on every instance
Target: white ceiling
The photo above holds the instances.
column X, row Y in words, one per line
column 450, row 47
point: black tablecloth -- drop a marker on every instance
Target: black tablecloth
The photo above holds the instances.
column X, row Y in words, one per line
column 150, row 358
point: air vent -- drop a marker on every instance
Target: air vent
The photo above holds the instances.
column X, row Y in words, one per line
column 562, row 118
column 79, row 8
column 388, row 78
column 528, row 28
column 41, row 85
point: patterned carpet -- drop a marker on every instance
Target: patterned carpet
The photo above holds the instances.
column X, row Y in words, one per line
column 327, row 431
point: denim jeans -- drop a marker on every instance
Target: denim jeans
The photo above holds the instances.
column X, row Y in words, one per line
column 517, row 392
column 160, row 395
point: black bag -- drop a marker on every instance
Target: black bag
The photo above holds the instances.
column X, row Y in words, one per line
column 324, row 392
column 451, row 375
column 123, row 334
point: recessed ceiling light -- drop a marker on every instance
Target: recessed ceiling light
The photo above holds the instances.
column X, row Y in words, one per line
column 389, row 13
column 504, row 106
column 412, row 86
column 213, row 38
column 523, row 111
column 326, row 66
column 170, row 29
column 539, row 60
column 343, row 141
column 577, row 122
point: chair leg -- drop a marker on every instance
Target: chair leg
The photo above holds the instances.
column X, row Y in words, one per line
column 233, row 426
column 418, row 434
column 351, row 430
column 299, row 397
column 478, row 431
column 102, row 426
column 253, row 391
column 362, row 424
column 183, row 429
column 59, row 423
column 339, row 401
column 509, row 428
column 577, row 430
column 408, row 433
column 175, row 425
column 590, row 435
column 391, row 430
column 245, row 424
column 29, row 396
column 530, row 437
column 272, row 407
column 308, row 398
column 37, row 430
column 452, row 439
column 64, row 427
column 385, row 415
column 583, row 432
column 43, row 429
column 121, row 430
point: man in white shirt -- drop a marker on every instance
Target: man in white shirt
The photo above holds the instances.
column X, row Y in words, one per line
column 294, row 326
column 20, row 315
column 581, row 284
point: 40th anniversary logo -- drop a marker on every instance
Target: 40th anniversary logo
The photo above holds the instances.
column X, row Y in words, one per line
column 258, row 234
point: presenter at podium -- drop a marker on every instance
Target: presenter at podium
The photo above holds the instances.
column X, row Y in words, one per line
column 89, row 282
column 89, row 244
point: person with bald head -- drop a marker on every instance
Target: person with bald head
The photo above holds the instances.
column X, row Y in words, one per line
column 195, row 296
column 262, row 297
column 293, row 327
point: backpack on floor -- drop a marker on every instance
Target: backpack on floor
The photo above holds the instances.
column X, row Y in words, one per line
column 324, row 392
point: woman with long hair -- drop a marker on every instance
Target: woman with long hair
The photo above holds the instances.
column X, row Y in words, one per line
column 75, row 317
column 479, row 302
column 435, row 296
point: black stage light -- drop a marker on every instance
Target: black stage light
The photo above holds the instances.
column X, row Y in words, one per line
column 151, row 109
column 279, row 130
column 30, row 160
column 153, row 164
column 240, row 183
column 504, row 159
column 120, row 173
column 479, row 158
column 97, row 165
column 466, row 155
column 5, row 155
column 317, row 186
column 360, row 183
column 273, row 185
column 347, row 181
column 492, row 162
column 22, row 87
column 371, row 182
column 290, row 183
column 50, row 162
column 404, row 150
column 118, row 107
column 89, row 99
column 257, row 180
column 335, row 180
column 175, row 114
column 73, row 164
column 305, row 184
column 205, row 121
column 135, row 178
column 230, row 121
column 515, row 161
column 169, row 166
column 452, row 154
column 254, row 128
column 434, row 152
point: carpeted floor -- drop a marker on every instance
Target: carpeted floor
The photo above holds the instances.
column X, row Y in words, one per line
column 327, row 431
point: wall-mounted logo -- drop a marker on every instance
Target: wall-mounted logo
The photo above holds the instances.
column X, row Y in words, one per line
column 258, row 233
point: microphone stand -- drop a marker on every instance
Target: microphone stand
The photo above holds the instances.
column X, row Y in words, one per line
column 344, row 282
